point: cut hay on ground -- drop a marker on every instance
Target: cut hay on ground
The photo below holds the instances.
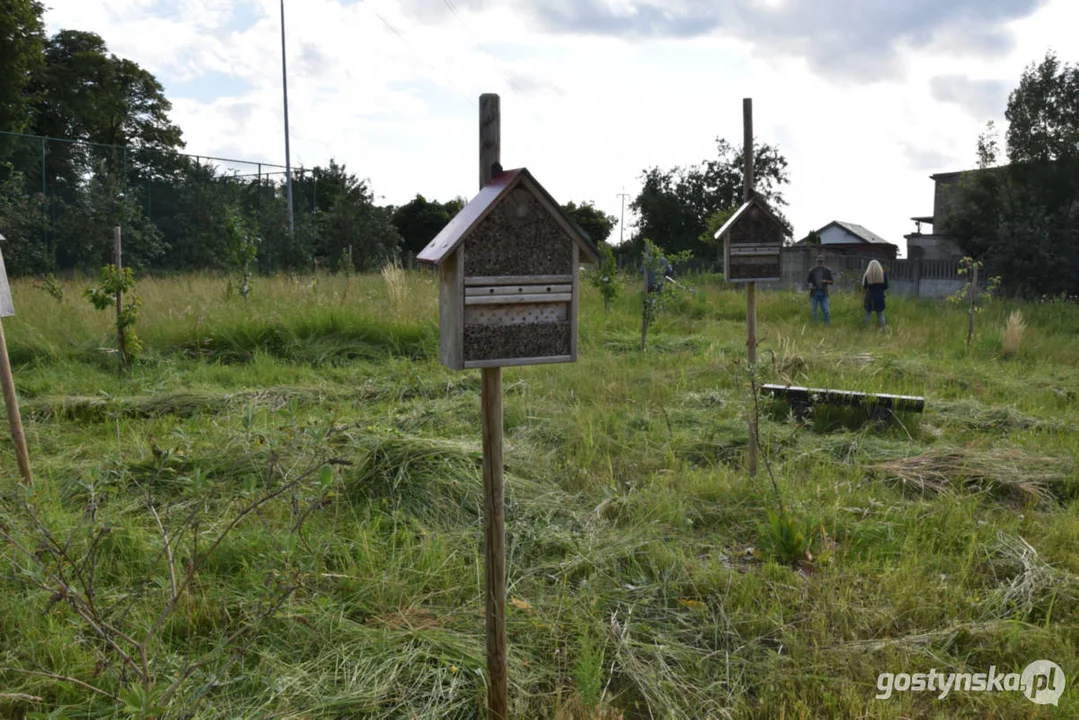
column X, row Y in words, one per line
column 1003, row 473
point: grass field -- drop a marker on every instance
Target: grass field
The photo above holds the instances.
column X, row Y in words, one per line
column 277, row 512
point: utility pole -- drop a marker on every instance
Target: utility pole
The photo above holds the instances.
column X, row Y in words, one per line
column 622, row 221
column 288, row 159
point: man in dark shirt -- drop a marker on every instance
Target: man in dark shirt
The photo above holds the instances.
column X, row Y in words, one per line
column 818, row 280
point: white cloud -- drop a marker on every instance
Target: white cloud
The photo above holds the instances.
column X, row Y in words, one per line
column 393, row 95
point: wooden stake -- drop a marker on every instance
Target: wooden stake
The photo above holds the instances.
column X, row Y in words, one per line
column 11, row 401
column 494, row 509
column 751, row 287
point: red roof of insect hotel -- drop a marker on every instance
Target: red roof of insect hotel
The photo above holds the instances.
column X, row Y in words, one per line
column 759, row 202
column 459, row 228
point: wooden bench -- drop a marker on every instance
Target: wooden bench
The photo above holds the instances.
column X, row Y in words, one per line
column 881, row 405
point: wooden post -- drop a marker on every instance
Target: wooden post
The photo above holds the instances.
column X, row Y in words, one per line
column 751, row 287
column 973, row 299
column 490, row 137
column 11, row 401
column 494, row 513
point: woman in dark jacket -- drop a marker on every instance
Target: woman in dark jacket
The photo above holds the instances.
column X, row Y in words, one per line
column 874, row 282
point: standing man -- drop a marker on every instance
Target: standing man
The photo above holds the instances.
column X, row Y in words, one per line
column 818, row 280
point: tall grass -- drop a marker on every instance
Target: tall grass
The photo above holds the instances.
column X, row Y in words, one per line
column 396, row 286
column 645, row 579
column 1013, row 333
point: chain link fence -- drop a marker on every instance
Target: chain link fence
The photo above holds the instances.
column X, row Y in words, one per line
column 60, row 199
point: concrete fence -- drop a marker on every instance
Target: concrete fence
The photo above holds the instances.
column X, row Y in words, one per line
column 913, row 277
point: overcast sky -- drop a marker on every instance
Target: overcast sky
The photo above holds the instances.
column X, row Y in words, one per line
column 865, row 98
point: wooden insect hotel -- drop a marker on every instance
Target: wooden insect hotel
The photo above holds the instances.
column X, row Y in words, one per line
column 752, row 241
column 509, row 284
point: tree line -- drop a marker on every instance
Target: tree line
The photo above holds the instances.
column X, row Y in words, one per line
column 86, row 144
column 118, row 161
column 1021, row 217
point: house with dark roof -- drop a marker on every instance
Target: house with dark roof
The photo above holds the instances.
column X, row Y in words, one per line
column 846, row 238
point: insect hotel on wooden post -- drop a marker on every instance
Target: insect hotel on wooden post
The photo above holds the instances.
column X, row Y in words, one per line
column 508, row 277
column 752, row 241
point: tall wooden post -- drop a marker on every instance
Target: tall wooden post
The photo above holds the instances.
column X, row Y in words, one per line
column 751, row 287
column 11, row 400
column 494, row 506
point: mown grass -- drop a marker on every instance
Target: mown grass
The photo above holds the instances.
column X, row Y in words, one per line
column 638, row 583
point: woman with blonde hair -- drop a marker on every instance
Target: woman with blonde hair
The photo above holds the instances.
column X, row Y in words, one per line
column 874, row 282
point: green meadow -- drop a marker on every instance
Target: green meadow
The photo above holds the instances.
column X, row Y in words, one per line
column 277, row 512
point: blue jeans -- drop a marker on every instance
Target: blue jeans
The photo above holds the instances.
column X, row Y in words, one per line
column 819, row 298
column 880, row 316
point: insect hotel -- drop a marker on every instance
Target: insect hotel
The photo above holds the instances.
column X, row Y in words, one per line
column 509, row 285
column 752, row 241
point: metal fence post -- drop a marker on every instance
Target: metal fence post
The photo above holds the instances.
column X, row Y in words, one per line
column 44, row 208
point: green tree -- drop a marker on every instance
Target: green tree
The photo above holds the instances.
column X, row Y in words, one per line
column 1021, row 219
column 674, row 205
column 988, row 146
column 82, row 92
column 596, row 223
column 85, row 227
column 23, row 221
column 346, row 216
column 419, row 220
column 604, row 277
column 714, row 222
column 22, row 42
column 191, row 207
column 243, row 247
column 1043, row 113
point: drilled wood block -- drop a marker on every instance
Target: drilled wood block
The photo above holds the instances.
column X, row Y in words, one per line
column 519, row 238
column 516, row 341
column 526, row 314
column 517, row 289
